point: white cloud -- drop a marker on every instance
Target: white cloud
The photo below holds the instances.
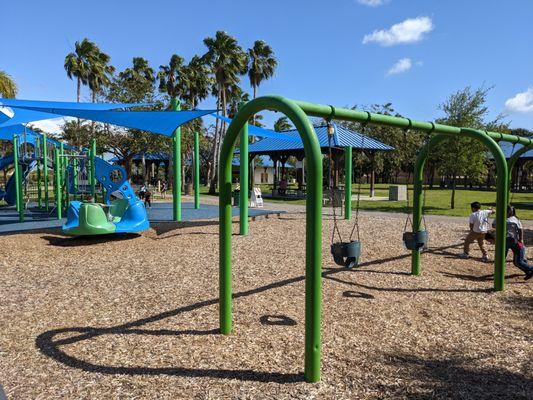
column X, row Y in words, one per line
column 373, row 3
column 521, row 102
column 411, row 30
column 52, row 126
column 400, row 66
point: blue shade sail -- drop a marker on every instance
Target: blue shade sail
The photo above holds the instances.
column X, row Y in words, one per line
column 161, row 122
column 264, row 133
column 50, row 106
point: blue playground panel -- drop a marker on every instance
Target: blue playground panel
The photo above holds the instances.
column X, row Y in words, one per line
column 160, row 212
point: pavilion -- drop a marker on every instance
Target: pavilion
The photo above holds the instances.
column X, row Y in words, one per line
column 520, row 175
column 343, row 139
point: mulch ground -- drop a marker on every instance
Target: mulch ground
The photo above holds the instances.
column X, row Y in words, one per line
column 136, row 317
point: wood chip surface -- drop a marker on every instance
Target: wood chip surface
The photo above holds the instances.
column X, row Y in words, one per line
column 136, row 317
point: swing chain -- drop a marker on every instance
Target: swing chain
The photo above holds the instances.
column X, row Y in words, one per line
column 360, row 178
column 330, row 132
column 409, row 207
column 428, row 177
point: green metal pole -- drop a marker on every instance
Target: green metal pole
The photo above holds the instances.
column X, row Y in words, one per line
column 348, row 182
column 57, row 181
column 75, row 178
column 243, row 181
column 501, row 200
column 45, row 173
column 313, row 259
column 39, row 178
column 62, row 164
column 18, row 177
column 92, row 155
column 345, row 114
column 176, row 147
column 196, row 170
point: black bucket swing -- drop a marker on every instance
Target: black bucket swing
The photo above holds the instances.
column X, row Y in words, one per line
column 345, row 253
column 417, row 241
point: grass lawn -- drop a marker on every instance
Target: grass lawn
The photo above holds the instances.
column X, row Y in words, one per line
column 437, row 201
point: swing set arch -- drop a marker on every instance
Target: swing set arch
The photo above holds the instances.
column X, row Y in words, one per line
column 298, row 112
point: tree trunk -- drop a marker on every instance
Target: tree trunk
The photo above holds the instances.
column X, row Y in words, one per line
column 78, row 93
column 452, row 201
column 214, row 165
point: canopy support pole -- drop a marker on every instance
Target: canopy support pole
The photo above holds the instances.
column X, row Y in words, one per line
column 45, row 173
column 243, row 181
column 57, row 180
column 39, row 177
column 176, row 152
column 196, row 170
column 92, row 155
column 18, row 183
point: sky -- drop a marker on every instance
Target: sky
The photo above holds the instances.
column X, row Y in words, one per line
column 411, row 53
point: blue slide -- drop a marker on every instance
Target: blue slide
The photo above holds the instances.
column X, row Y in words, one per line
column 126, row 214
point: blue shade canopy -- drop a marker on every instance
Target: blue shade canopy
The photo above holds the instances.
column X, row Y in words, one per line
column 509, row 149
column 23, row 116
column 264, row 133
column 161, row 122
column 342, row 137
column 50, row 106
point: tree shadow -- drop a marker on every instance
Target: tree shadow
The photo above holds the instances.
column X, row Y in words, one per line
column 162, row 227
column 456, row 378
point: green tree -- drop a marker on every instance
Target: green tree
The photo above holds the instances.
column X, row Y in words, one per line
column 194, row 82
column 135, row 84
column 282, row 124
column 79, row 63
column 8, row 87
column 227, row 61
column 463, row 156
column 262, row 64
column 100, row 74
column 169, row 76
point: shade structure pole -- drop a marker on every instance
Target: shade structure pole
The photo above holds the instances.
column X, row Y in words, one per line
column 39, row 177
column 45, row 173
column 92, row 155
column 57, row 180
column 176, row 152
column 196, row 162
column 18, row 175
column 348, row 182
column 243, row 181
column 62, row 164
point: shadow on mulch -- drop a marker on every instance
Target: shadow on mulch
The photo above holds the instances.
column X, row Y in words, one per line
column 473, row 278
column 90, row 240
column 52, row 348
column 452, row 378
column 277, row 320
column 524, row 304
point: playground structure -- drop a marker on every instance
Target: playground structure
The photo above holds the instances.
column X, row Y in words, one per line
column 298, row 113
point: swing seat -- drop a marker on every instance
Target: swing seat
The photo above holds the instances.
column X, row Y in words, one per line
column 417, row 241
column 346, row 254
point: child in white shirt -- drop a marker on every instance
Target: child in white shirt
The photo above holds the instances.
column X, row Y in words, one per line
column 479, row 226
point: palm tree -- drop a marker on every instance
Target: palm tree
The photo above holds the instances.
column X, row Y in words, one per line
column 8, row 87
column 169, row 76
column 195, row 82
column 262, row 64
column 100, row 73
column 227, row 61
column 140, row 71
column 282, row 124
column 80, row 62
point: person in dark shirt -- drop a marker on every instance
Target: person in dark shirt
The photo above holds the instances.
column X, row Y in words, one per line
column 148, row 199
column 519, row 253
